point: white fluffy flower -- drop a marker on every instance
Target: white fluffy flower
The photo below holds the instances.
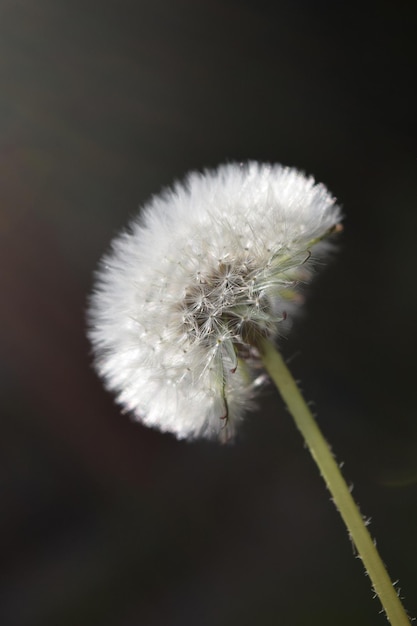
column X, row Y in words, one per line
column 207, row 268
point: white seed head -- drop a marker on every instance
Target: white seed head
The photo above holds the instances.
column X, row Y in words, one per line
column 205, row 270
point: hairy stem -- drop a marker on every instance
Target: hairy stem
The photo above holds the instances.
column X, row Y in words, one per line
column 336, row 484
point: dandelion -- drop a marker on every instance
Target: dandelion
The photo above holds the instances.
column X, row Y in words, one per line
column 190, row 300
column 207, row 269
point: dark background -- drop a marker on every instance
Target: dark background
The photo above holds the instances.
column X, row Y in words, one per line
column 104, row 522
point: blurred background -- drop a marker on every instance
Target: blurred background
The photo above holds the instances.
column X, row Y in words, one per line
column 104, row 522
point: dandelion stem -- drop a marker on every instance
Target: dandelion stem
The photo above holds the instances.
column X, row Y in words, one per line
column 336, row 484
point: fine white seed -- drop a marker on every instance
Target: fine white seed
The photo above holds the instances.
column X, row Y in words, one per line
column 206, row 268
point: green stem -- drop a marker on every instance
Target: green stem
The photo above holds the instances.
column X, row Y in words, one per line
column 336, row 484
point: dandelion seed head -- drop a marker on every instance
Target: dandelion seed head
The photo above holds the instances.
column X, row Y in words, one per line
column 207, row 268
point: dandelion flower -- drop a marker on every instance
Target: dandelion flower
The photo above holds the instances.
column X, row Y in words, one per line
column 190, row 299
column 207, row 268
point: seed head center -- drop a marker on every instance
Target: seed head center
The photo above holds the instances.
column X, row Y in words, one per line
column 225, row 302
